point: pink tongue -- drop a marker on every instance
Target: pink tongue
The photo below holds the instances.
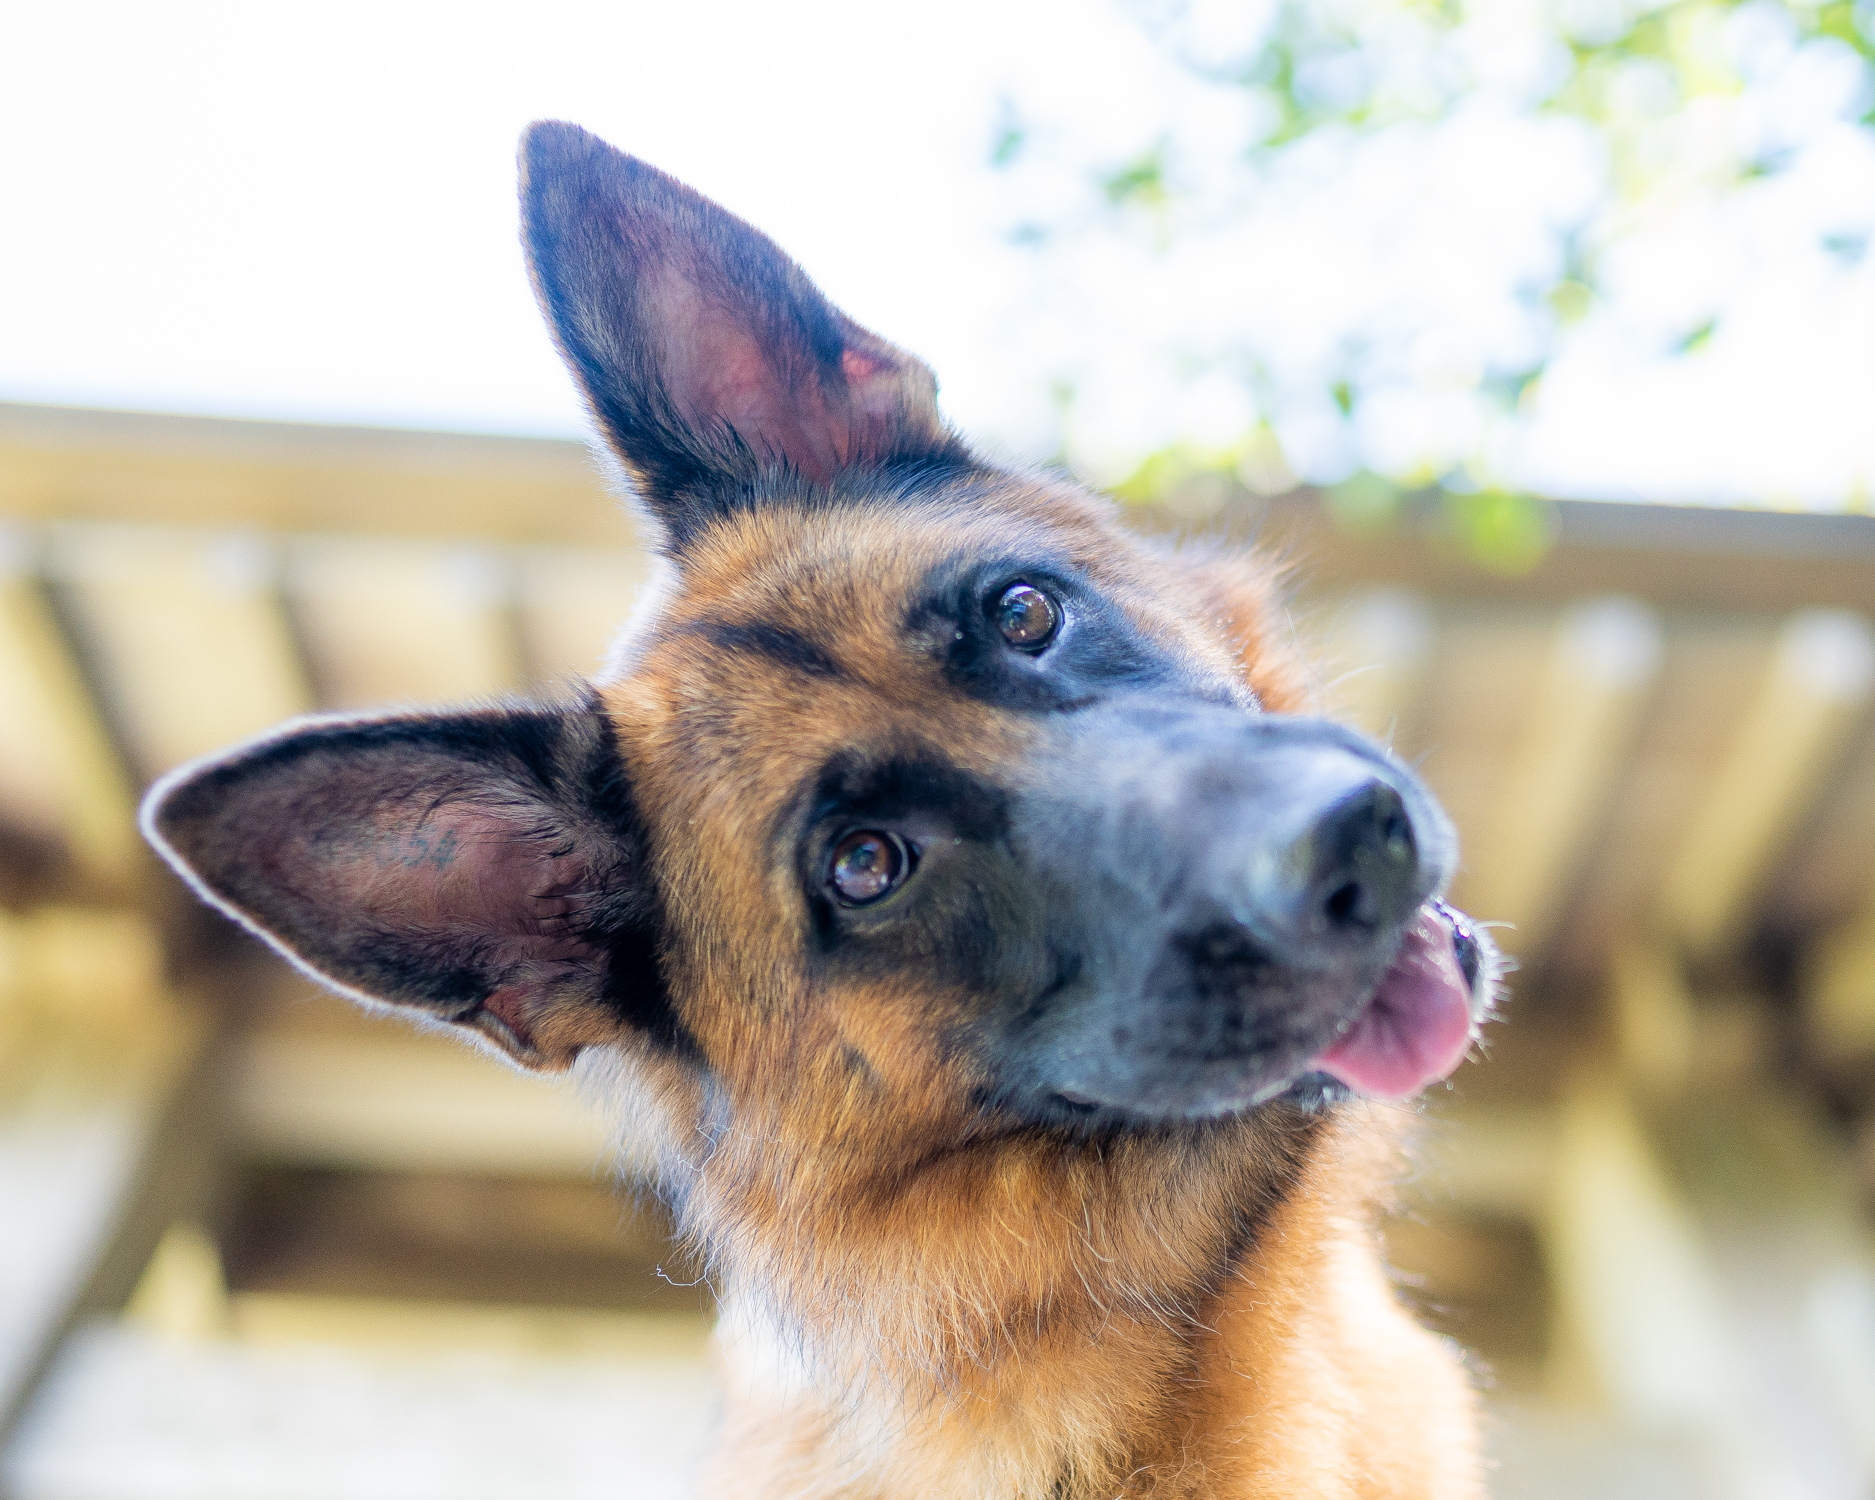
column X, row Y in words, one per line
column 1417, row 1026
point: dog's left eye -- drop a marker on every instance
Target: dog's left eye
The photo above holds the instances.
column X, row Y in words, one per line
column 867, row 865
column 1027, row 618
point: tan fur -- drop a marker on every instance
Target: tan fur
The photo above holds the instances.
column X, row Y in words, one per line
column 920, row 1303
column 1298, row 1375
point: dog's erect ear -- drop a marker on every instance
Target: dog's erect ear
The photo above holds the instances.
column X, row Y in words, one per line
column 484, row 868
column 706, row 355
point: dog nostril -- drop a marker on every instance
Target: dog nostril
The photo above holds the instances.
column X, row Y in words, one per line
column 1364, row 861
column 1344, row 904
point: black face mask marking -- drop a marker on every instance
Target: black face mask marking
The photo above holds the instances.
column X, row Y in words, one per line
column 1094, row 649
column 786, row 648
column 1146, row 920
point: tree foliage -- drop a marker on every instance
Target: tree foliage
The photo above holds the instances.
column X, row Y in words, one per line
column 1606, row 142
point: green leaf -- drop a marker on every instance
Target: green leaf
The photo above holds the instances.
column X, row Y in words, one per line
column 1501, row 530
column 1141, row 181
column 1010, row 137
column 1366, row 503
column 1698, row 338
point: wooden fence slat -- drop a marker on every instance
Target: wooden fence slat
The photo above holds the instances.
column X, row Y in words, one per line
column 1638, row 1301
column 313, row 1087
column 1601, row 661
column 390, row 621
column 60, row 777
column 87, row 1172
column 573, row 603
column 1839, row 1000
column 1797, row 719
column 1379, row 646
column 191, row 647
column 1654, row 1020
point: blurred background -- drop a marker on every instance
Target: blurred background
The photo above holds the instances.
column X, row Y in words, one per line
column 1539, row 333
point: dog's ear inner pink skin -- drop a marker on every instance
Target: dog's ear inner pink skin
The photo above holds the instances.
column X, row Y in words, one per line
column 703, row 351
column 477, row 867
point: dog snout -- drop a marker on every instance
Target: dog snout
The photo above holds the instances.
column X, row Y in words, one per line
column 1235, row 886
column 1248, row 855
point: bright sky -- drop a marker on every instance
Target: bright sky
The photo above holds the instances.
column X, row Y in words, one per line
column 307, row 212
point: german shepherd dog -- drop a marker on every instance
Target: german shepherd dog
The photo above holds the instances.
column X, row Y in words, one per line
column 1017, row 982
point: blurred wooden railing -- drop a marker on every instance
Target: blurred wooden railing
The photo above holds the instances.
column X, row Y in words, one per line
column 1658, row 746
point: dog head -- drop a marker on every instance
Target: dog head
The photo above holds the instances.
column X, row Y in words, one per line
column 922, row 791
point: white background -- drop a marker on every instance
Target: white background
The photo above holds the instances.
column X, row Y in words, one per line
column 307, row 212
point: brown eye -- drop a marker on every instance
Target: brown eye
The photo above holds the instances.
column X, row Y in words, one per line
column 867, row 865
column 1027, row 618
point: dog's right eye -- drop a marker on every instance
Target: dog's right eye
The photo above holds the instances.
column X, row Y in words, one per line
column 866, row 866
column 1027, row 618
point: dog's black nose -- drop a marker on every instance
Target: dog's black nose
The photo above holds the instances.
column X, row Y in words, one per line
column 1336, row 873
column 1312, row 885
column 1360, row 864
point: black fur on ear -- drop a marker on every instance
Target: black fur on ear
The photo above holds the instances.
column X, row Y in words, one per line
column 485, row 868
column 707, row 357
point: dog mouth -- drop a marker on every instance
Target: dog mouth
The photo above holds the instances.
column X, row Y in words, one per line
column 1417, row 1026
column 1409, row 1031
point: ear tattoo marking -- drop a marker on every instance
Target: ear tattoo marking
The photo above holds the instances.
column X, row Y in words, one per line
column 405, row 848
